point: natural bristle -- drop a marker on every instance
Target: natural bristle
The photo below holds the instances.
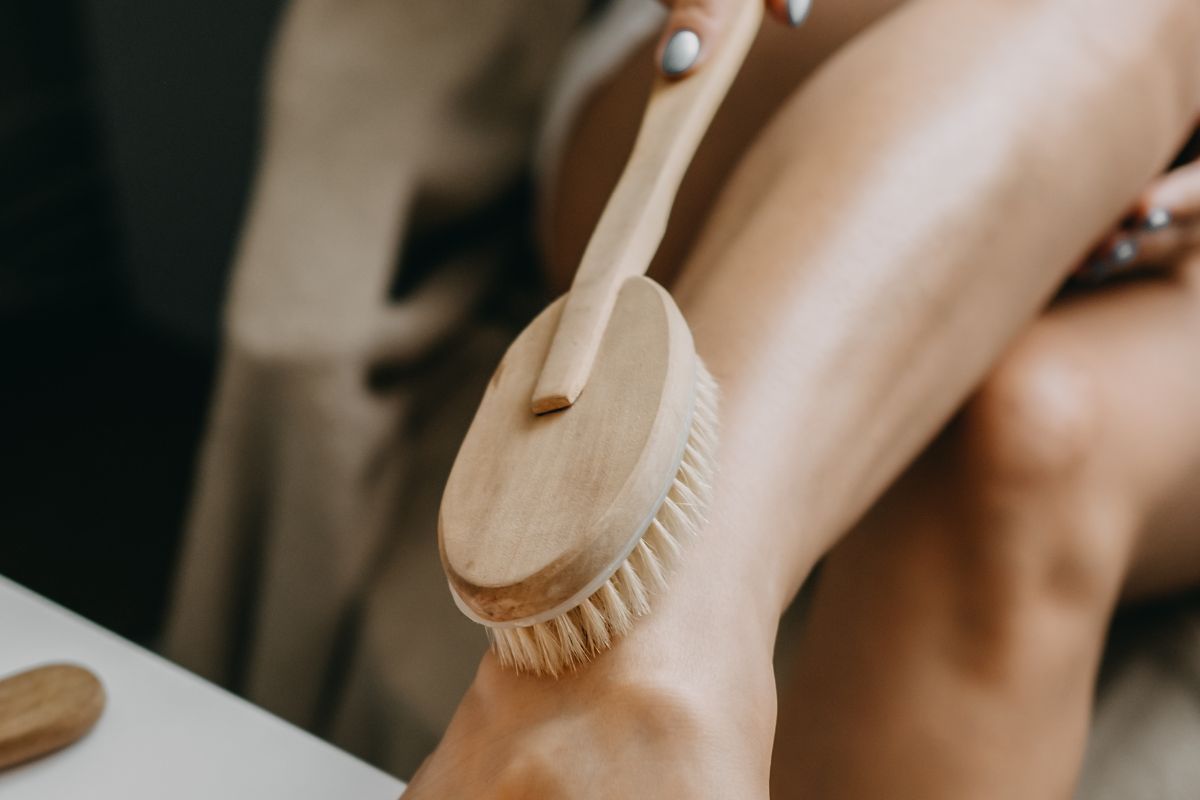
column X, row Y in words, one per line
column 561, row 644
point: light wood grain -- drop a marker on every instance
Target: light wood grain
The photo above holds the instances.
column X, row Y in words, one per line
column 633, row 222
column 46, row 709
column 537, row 508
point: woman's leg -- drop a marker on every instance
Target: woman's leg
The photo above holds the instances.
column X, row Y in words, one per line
column 954, row 636
column 868, row 260
column 877, row 246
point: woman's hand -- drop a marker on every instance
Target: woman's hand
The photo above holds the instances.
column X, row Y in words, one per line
column 1163, row 228
column 695, row 27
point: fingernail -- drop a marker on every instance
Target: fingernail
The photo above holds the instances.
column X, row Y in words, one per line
column 1123, row 251
column 1157, row 218
column 681, row 52
column 797, row 11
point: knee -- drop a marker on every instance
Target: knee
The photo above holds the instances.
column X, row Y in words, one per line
column 1043, row 528
column 1033, row 422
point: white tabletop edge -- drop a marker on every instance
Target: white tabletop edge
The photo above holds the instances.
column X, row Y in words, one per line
column 35, row 630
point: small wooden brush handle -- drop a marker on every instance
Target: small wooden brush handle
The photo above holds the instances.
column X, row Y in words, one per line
column 45, row 709
column 633, row 222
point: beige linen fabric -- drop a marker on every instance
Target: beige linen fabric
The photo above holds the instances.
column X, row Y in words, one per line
column 1145, row 740
column 382, row 118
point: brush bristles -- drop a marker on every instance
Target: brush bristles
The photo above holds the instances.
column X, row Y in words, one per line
column 560, row 644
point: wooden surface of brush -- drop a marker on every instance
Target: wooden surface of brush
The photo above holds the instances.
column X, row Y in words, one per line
column 45, row 709
column 589, row 463
column 583, row 510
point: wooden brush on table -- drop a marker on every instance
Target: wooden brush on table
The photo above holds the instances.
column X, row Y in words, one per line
column 589, row 462
column 45, row 709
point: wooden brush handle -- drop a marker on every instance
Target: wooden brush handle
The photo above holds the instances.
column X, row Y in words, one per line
column 633, row 222
column 45, row 709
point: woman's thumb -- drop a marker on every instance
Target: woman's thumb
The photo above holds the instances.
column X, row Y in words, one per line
column 695, row 28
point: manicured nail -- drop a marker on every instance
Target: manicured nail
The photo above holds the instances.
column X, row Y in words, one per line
column 1112, row 261
column 1157, row 218
column 681, row 52
column 797, row 11
column 1123, row 251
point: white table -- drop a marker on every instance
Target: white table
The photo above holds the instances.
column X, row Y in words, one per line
column 165, row 734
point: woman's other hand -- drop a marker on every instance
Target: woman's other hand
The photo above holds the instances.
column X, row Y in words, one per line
column 1162, row 231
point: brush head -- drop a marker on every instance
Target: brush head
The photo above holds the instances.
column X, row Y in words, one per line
column 555, row 530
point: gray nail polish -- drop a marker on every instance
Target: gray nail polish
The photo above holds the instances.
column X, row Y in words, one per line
column 1124, row 251
column 1157, row 219
column 1111, row 262
column 681, row 52
column 797, row 11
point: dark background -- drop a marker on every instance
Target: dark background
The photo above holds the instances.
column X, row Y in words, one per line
column 127, row 134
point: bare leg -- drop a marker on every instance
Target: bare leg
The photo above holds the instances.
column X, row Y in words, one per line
column 866, row 263
column 954, row 637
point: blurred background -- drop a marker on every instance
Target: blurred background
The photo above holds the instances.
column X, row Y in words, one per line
column 243, row 473
column 127, row 136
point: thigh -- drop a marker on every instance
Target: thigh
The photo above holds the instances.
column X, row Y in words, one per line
column 604, row 130
column 975, row 595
